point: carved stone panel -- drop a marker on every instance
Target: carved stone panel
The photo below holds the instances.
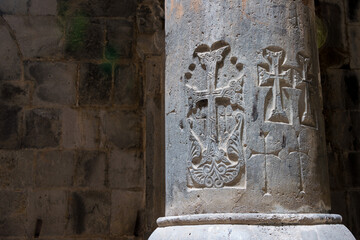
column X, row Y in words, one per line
column 216, row 122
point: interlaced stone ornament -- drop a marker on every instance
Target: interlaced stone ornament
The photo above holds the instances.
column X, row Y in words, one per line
column 216, row 125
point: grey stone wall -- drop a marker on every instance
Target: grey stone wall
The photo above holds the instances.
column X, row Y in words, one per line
column 340, row 65
column 80, row 106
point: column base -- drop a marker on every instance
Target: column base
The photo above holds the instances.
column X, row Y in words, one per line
column 252, row 226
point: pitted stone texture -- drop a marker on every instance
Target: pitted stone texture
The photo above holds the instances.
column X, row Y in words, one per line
column 10, row 66
column 42, row 128
column 38, row 36
column 89, row 213
column 54, row 82
column 237, row 232
column 47, row 172
column 90, row 169
column 243, row 109
column 16, row 169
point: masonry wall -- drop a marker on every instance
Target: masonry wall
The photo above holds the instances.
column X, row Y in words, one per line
column 79, row 96
column 81, row 118
column 340, row 73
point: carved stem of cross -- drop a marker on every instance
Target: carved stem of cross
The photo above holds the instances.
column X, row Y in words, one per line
column 306, row 117
column 210, row 60
column 278, row 106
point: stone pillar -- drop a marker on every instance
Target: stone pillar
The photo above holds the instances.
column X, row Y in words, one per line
column 245, row 145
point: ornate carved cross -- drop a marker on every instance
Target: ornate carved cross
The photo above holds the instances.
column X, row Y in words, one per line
column 275, row 77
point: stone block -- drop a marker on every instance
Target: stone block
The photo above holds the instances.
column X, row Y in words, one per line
column 95, row 84
column 119, row 36
column 333, row 89
column 125, row 212
column 10, row 65
column 48, row 164
column 15, row 93
column 354, row 130
column 53, row 82
column 106, row 8
column 10, row 117
column 337, row 170
column 80, row 128
column 89, row 213
column 353, row 10
column 43, row 7
column 12, row 213
column 338, row 205
column 47, row 209
column 84, row 37
column 90, row 170
column 126, row 170
column 38, row 36
column 127, row 89
column 16, row 169
column 352, row 165
column 121, row 129
column 334, row 52
column 354, row 213
column 154, row 75
column 42, row 128
column 337, row 135
column 354, row 39
column 18, row 7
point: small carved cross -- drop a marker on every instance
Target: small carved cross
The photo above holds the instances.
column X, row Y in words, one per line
column 275, row 77
column 303, row 79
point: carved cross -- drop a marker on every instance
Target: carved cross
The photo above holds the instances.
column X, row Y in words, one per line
column 302, row 78
column 275, row 77
column 210, row 59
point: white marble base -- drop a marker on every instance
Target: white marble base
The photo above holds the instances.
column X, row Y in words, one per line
column 252, row 226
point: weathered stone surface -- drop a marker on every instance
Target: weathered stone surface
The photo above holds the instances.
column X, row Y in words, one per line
column 10, row 66
column 80, row 128
column 353, row 10
column 53, row 82
column 243, row 109
column 39, row 36
column 89, row 213
column 48, row 164
column 15, row 93
column 13, row 7
column 12, row 213
column 16, row 169
column 354, row 37
column 10, row 117
column 125, row 221
column 237, row 232
column 127, row 89
column 121, row 129
column 106, row 8
column 119, row 36
column 48, row 210
column 43, row 7
column 354, row 219
column 90, row 169
column 95, row 84
column 84, row 37
column 334, row 51
column 126, row 170
column 42, row 128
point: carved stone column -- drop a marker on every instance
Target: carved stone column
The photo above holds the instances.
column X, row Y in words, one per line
column 245, row 146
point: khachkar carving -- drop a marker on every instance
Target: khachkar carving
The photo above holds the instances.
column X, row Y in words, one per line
column 216, row 121
column 279, row 80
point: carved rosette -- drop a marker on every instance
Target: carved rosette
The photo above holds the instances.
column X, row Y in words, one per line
column 216, row 125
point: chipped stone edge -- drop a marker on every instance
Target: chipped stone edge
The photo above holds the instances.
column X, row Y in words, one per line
column 250, row 219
